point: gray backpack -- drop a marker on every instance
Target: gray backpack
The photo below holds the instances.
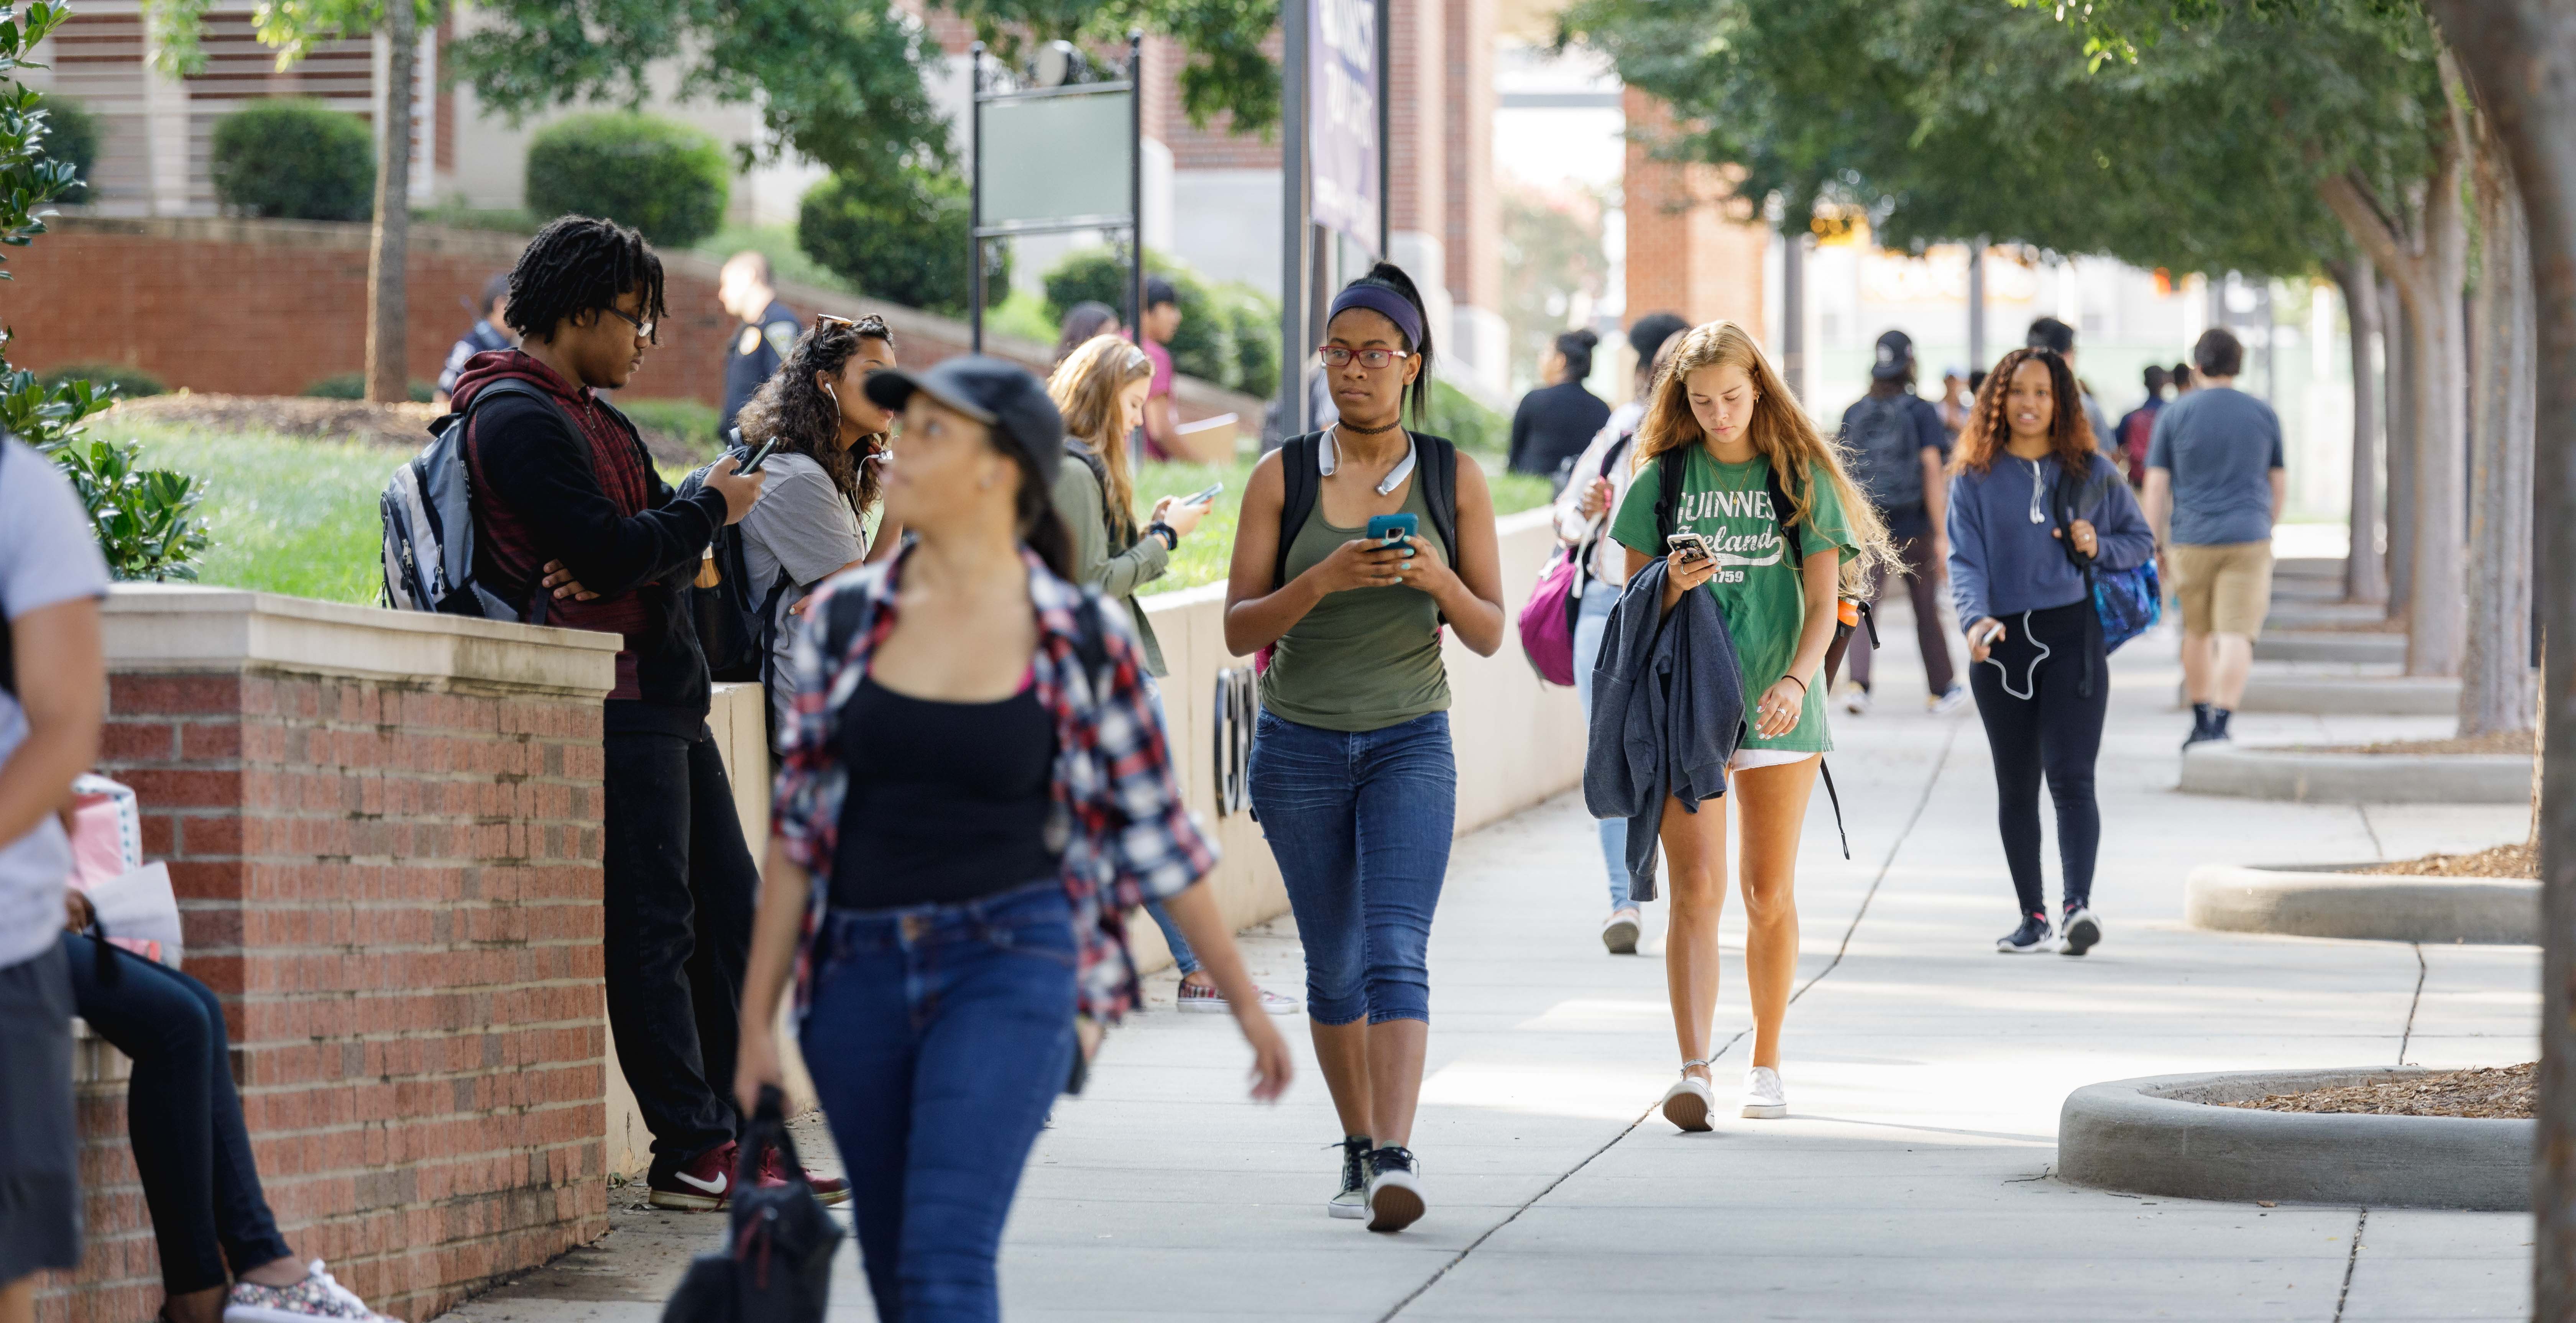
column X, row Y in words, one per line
column 1886, row 451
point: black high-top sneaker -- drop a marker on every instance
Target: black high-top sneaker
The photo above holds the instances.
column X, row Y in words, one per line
column 2203, row 726
column 1352, row 1200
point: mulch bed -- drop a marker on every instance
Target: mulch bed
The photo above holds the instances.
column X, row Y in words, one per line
column 405, row 425
column 2520, row 859
column 2519, row 742
column 2494, row 1092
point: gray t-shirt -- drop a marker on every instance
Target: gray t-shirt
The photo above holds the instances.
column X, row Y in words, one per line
column 804, row 525
column 2221, row 446
column 48, row 556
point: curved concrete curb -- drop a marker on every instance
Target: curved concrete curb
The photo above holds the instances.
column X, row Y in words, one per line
column 2160, row 1135
column 2353, row 695
column 2379, row 907
column 2356, row 778
column 2343, row 647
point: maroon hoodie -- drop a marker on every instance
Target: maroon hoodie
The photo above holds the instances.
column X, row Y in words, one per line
column 568, row 479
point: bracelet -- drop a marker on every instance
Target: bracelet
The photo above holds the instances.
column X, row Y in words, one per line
column 1802, row 685
column 1171, row 539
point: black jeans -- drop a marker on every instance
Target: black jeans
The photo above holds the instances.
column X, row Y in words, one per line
column 1911, row 529
column 190, row 1147
column 2040, row 723
column 680, row 887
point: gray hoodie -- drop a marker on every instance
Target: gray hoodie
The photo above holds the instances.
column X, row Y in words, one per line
column 1667, row 713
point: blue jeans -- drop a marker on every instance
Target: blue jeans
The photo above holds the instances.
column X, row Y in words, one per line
column 190, row 1147
column 1591, row 626
column 1360, row 823
column 1182, row 955
column 938, row 1037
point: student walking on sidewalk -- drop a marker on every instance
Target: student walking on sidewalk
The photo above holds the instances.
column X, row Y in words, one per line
column 976, row 791
column 572, row 521
column 2030, row 487
column 1352, row 770
column 1583, row 509
column 1723, row 446
column 2215, row 484
column 1897, row 448
column 1100, row 390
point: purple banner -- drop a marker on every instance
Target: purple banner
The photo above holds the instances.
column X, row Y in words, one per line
column 1341, row 90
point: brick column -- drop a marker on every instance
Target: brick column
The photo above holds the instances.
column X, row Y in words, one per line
column 1694, row 246
column 384, row 829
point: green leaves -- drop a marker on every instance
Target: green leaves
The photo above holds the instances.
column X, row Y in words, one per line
column 146, row 518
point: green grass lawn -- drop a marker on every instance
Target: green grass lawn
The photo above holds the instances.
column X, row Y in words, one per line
column 298, row 516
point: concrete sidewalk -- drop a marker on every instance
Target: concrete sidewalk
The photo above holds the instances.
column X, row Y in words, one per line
column 1912, row 1177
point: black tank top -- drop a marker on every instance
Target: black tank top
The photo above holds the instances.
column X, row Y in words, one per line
column 947, row 802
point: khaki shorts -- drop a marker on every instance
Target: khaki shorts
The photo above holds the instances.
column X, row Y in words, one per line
column 2225, row 588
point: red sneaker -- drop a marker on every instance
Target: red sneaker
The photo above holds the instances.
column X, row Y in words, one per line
column 828, row 1189
column 701, row 1185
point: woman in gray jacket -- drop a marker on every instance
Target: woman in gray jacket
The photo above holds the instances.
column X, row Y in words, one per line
column 1100, row 389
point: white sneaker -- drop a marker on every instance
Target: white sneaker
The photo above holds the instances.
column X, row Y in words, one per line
column 1855, row 698
column 1206, row 1000
column 1764, row 1099
column 2081, row 931
column 1688, row 1103
column 319, row 1298
column 1619, row 931
column 1950, row 702
column 1394, row 1189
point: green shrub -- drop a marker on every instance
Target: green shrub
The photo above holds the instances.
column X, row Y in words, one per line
column 1456, row 415
column 353, row 386
column 902, row 244
column 71, row 134
column 295, row 159
column 146, row 518
column 1256, row 339
column 127, row 383
column 787, row 262
column 664, row 178
column 1203, row 347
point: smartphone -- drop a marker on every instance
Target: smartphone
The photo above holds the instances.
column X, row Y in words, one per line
column 1203, row 497
column 1389, row 529
column 1691, row 545
column 759, row 455
column 1993, row 632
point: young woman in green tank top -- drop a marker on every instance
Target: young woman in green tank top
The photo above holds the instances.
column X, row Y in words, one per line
column 1352, row 772
column 1734, row 423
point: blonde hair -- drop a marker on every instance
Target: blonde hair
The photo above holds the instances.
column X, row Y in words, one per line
column 1085, row 389
column 1780, row 432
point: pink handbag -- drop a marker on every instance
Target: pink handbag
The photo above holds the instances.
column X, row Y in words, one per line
column 1547, row 618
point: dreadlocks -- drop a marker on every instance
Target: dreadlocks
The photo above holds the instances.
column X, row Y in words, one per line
column 578, row 264
column 807, row 419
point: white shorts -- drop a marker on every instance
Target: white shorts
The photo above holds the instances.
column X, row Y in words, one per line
column 1745, row 760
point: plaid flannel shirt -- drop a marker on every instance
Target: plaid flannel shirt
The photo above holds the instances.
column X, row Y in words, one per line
column 1128, row 836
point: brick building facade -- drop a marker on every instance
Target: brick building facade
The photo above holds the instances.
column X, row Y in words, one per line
column 1695, row 247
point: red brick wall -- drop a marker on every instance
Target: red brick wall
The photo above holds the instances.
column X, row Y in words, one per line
column 1417, row 160
column 397, row 894
column 1473, row 248
column 1694, row 247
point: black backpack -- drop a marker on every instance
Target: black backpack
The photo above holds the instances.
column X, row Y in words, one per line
column 1886, row 451
column 776, row 1266
column 737, row 619
column 1439, row 460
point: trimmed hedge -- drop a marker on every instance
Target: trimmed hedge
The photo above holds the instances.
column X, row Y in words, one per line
column 353, row 386
column 129, row 383
column 71, row 134
column 664, row 178
column 291, row 158
column 1229, row 334
column 905, row 244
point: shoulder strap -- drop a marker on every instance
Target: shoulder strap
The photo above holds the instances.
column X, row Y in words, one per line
column 2067, row 496
column 1441, row 496
column 1785, row 515
column 1297, row 497
column 1668, row 492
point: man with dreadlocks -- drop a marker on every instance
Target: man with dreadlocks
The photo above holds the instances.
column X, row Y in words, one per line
column 570, row 517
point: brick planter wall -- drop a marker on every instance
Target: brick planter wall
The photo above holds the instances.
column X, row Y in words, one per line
column 384, row 831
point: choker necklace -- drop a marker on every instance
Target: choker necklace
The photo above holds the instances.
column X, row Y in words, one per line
column 1328, row 457
column 1368, row 431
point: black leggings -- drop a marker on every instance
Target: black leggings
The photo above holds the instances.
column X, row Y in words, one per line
column 2039, row 722
column 190, row 1146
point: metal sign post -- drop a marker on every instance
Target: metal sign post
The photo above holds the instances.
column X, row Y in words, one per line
column 1040, row 166
column 1293, row 349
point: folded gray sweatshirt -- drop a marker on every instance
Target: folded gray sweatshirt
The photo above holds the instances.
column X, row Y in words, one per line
column 1667, row 714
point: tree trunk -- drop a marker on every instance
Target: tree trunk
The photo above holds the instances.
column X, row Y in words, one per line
column 2522, row 53
column 2495, row 672
column 2365, row 576
column 388, row 378
column 2398, row 338
column 2427, row 259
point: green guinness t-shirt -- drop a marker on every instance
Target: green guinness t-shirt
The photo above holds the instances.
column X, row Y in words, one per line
column 1757, row 589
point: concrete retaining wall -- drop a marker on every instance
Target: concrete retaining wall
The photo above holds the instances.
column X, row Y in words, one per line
column 2323, row 902
column 2342, row 647
column 2355, row 778
column 2352, row 695
column 2161, row 1135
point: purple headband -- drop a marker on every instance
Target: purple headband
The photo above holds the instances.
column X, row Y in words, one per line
column 1383, row 300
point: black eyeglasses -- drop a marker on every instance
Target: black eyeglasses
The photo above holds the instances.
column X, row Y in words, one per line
column 642, row 327
column 1374, row 360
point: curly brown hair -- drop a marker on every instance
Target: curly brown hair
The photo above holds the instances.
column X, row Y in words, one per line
column 807, row 419
column 1986, row 433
